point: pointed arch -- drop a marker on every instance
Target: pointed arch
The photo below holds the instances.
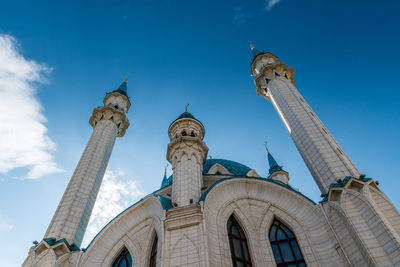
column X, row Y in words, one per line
column 153, row 252
column 238, row 243
column 285, row 246
column 124, row 259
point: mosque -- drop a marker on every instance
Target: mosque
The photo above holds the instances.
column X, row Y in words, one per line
column 217, row 212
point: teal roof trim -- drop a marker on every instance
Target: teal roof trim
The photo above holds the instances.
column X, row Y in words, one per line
column 342, row 184
column 164, row 204
column 204, row 196
column 52, row 243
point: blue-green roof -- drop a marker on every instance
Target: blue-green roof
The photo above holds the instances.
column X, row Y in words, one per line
column 185, row 115
column 122, row 89
column 233, row 167
column 273, row 165
column 237, row 169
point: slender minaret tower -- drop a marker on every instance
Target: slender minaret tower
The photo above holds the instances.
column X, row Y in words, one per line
column 187, row 153
column 323, row 156
column 72, row 215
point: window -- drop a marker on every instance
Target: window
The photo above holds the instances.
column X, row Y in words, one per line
column 238, row 243
column 153, row 253
column 184, row 133
column 124, row 259
column 284, row 246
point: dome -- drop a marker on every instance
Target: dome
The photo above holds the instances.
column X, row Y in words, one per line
column 233, row 167
column 237, row 169
column 186, row 115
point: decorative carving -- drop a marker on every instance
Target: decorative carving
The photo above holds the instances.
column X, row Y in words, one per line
column 109, row 113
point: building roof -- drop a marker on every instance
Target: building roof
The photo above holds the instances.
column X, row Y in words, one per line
column 185, row 115
column 237, row 169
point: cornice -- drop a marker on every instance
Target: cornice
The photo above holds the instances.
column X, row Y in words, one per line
column 109, row 113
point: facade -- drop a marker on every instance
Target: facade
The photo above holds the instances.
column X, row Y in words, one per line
column 217, row 212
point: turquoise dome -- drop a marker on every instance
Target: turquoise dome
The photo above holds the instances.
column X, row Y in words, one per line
column 237, row 169
column 186, row 115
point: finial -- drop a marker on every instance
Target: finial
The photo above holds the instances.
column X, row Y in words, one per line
column 186, row 107
column 165, row 170
column 251, row 45
column 126, row 79
column 266, row 148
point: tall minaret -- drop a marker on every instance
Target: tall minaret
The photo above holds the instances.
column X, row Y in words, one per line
column 72, row 215
column 323, row 156
column 187, row 153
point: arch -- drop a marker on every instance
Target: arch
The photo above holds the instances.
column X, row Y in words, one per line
column 284, row 245
column 153, row 252
column 124, row 259
column 218, row 169
column 240, row 253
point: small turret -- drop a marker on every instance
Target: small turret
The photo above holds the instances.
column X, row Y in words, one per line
column 275, row 171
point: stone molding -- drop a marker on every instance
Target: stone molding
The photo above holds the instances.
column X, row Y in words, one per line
column 109, row 113
column 187, row 145
column 270, row 72
column 116, row 94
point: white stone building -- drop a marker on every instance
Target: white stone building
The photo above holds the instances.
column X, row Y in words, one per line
column 216, row 212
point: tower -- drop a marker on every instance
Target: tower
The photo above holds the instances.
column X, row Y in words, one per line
column 73, row 212
column 187, row 153
column 275, row 171
column 323, row 156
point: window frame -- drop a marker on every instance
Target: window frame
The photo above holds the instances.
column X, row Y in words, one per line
column 278, row 242
column 244, row 245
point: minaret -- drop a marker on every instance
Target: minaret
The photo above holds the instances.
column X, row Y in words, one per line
column 72, row 215
column 187, row 153
column 275, row 171
column 323, row 156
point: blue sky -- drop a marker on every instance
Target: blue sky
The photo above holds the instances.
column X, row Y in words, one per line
column 57, row 60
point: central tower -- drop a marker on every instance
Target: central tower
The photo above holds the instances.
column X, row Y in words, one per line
column 187, row 153
column 323, row 156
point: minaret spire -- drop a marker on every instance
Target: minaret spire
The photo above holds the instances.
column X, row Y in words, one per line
column 273, row 165
column 275, row 171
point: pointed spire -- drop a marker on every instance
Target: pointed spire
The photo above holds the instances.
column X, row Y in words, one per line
column 165, row 171
column 186, row 107
column 255, row 51
column 123, row 88
column 273, row 165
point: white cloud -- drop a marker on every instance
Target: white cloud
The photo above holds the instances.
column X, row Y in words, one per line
column 272, row 3
column 23, row 136
column 115, row 195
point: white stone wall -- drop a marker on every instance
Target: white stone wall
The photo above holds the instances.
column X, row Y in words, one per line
column 186, row 187
column 323, row 156
column 255, row 204
column 73, row 212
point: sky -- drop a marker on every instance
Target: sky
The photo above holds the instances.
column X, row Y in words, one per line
column 59, row 58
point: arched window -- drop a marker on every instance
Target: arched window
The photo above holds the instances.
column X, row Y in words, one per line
column 153, row 253
column 284, row 245
column 238, row 243
column 124, row 259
